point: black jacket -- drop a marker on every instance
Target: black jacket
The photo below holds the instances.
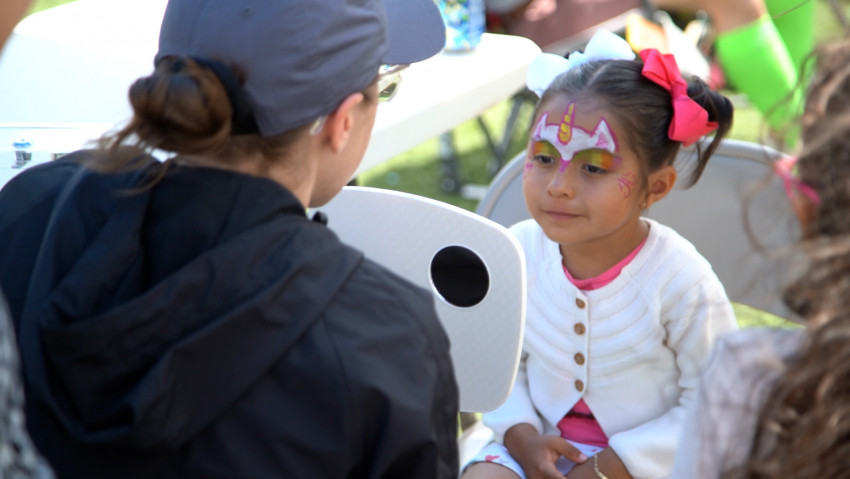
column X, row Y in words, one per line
column 206, row 327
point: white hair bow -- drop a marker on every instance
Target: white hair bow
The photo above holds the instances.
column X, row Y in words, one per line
column 604, row 45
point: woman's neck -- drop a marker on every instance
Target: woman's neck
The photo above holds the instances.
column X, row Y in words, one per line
column 296, row 177
column 588, row 260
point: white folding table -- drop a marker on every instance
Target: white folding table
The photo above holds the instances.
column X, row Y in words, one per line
column 65, row 73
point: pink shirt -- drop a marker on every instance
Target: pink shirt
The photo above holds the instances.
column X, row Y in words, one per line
column 579, row 425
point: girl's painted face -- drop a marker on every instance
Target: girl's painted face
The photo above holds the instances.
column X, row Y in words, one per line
column 581, row 180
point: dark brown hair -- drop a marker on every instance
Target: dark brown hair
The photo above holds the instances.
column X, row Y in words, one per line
column 642, row 108
column 803, row 427
column 182, row 107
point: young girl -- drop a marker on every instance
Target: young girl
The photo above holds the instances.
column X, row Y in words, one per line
column 622, row 310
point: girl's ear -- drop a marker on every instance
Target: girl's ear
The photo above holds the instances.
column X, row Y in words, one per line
column 339, row 123
column 659, row 183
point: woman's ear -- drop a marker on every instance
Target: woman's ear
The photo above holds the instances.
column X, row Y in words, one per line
column 339, row 123
column 659, row 183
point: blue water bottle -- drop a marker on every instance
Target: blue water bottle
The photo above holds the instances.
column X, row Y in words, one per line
column 464, row 23
column 23, row 152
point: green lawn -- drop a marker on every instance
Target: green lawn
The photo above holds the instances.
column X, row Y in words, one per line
column 39, row 5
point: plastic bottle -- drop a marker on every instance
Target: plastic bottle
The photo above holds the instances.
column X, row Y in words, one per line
column 23, row 153
column 464, row 23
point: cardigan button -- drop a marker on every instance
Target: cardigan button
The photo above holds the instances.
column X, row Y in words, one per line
column 579, row 328
column 579, row 358
column 580, row 303
column 579, row 385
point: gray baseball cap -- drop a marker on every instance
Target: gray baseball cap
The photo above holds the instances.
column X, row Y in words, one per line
column 301, row 58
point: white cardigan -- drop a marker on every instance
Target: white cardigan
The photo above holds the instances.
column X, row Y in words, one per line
column 632, row 349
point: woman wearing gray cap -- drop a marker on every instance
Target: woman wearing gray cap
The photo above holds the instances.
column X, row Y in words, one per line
column 185, row 318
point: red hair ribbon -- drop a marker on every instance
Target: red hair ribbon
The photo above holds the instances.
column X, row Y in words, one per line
column 690, row 120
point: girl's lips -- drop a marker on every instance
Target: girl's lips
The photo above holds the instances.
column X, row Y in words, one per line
column 561, row 215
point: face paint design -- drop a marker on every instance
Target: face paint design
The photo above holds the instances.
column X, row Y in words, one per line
column 539, row 148
column 626, row 182
column 565, row 141
column 528, row 166
column 565, row 130
column 599, row 158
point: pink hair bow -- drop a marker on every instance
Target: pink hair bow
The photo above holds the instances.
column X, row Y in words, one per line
column 690, row 120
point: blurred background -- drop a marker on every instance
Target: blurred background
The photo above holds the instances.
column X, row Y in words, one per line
column 421, row 171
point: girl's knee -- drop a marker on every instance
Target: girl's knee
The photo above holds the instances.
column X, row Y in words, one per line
column 488, row 470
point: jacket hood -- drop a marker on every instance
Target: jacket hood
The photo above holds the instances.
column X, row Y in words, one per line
column 122, row 354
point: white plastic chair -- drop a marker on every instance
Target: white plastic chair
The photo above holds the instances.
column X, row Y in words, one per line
column 481, row 303
column 736, row 193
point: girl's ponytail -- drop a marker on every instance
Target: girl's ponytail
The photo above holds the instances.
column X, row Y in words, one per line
column 720, row 111
column 697, row 110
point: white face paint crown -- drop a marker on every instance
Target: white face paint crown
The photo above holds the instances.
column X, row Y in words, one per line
column 569, row 139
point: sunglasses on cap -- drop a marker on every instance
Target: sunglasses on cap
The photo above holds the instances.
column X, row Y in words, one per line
column 785, row 169
column 389, row 78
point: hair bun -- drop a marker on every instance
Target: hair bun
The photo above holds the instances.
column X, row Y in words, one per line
column 181, row 107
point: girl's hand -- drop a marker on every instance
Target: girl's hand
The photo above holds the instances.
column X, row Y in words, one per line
column 609, row 464
column 537, row 454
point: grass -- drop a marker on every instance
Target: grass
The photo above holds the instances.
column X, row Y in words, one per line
column 39, row 5
column 419, row 169
column 749, row 317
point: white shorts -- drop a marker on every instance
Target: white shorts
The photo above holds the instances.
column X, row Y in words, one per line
column 498, row 454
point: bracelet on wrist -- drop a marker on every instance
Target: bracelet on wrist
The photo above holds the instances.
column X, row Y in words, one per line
column 596, row 467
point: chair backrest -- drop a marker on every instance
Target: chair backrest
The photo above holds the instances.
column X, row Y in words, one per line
column 474, row 267
column 736, row 197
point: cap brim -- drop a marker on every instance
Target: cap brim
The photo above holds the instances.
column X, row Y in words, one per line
column 416, row 30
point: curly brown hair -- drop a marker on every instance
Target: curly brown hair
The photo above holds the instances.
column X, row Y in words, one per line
column 803, row 427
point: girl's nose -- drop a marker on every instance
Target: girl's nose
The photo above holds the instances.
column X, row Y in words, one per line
column 562, row 182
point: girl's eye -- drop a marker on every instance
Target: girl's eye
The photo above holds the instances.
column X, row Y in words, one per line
column 594, row 170
column 544, row 153
column 543, row 159
column 597, row 162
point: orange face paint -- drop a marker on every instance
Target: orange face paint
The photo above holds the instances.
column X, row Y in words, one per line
column 602, row 159
column 544, row 148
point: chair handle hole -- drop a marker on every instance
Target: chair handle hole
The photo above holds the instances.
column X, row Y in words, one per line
column 460, row 276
